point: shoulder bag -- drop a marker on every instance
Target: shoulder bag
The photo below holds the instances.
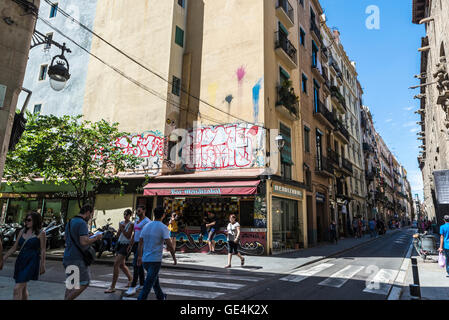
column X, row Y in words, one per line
column 88, row 254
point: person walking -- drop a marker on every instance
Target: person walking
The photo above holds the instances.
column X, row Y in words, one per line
column 139, row 273
column 212, row 228
column 444, row 242
column 151, row 246
column 355, row 227
column 233, row 231
column 124, row 234
column 372, row 228
column 77, row 241
column 333, row 232
column 30, row 262
column 173, row 228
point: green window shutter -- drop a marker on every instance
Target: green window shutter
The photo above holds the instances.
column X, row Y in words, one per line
column 179, row 37
column 286, row 154
column 281, row 26
column 284, row 73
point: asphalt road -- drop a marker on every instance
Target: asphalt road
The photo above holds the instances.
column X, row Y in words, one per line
column 365, row 272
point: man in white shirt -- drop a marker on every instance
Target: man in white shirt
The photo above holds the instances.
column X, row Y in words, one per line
column 139, row 274
column 151, row 246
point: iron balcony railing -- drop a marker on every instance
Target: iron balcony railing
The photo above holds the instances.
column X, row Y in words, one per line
column 321, row 109
column 288, row 9
column 335, row 92
column 315, row 29
column 340, row 127
column 346, row 164
column 334, row 157
column 368, row 148
column 324, row 165
column 285, row 44
column 285, row 99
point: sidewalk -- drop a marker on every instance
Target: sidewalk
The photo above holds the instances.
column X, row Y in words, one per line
column 282, row 263
column 432, row 279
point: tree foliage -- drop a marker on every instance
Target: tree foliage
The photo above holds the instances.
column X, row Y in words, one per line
column 68, row 150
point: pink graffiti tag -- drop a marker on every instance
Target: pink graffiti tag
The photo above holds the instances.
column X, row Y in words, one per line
column 142, row 146
column 240, row 73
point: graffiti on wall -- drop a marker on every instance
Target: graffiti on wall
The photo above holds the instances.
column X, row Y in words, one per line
column 231, row 146
column 251, row 243
column 256, row 97
column 225, row 146
column 149, row 146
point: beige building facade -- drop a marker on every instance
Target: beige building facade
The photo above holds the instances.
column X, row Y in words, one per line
column 433, row 112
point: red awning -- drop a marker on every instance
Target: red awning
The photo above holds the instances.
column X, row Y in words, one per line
column 201, row 188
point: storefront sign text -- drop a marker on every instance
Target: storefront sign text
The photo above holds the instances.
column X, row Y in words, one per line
column 287, row 191
column 183, row 192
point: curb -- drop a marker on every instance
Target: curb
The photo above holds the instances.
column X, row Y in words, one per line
column 397, row 288
column 343, row 251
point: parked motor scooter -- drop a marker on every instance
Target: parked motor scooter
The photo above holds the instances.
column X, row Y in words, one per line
column 108, row 241
column 9, row 234
column 55, row 235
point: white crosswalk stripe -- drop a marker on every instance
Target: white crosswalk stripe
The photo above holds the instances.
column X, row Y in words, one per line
column 381, row 282
column 200, row 285
column 339, row 278
column 298, row 276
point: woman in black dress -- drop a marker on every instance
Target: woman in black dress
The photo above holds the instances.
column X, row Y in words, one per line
column 30, row 262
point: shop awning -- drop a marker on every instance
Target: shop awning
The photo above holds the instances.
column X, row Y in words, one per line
column 201, row 188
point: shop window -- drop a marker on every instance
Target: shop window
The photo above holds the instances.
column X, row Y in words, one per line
column 285, row 225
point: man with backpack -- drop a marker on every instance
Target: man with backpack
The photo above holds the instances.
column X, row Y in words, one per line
column 75, row 261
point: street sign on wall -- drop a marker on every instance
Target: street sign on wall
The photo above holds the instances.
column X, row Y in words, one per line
column 442, row 186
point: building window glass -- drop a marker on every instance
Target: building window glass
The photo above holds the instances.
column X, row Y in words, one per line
column 43, row 72
column 176, row 86
column 37, row 108
column 50, row 38
column 283, row 75
column 316, row 95
column 286, row 153
column 53, row 10
column 314, row 55
column 285, row 224
column 179, row 37
column 307, row 139
column 182, row 3
column 304, row 83
column 302, row 37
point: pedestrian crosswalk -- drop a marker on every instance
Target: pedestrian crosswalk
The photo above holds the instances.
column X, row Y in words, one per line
column 189, row 284
column 373, row 279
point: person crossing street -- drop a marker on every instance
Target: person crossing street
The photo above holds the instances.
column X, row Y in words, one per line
column 139, row 273
column 150, row 250
column 444, row 241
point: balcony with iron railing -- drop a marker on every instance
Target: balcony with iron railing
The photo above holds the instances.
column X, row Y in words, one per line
column 323, row 114
column 315, row 30
column 338, row 97
column 285, row 49
column 287, row 101
column 324, row 166
column 285, row 12
column 341, row 131
column 347, row 165
column 368, row 148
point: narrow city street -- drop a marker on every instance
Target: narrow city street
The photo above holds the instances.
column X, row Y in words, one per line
column 346, row 276
column 364, row 273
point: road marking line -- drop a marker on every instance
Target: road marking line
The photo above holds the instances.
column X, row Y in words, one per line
column 339, row 278
column 208, row 284
column 382, row 282
column 214, row 276
column 300, row 275
column 401, row 277
column 186, row 293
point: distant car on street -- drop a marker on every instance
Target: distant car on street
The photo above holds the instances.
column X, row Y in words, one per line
column 415, row 224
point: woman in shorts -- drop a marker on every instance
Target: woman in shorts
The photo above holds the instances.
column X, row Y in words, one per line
column 173, row 228
column 233, row 231
column 124, row 234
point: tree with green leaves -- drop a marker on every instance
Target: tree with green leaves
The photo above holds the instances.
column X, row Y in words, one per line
column 68, row 150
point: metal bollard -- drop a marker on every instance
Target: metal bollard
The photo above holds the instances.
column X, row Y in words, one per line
column 415, row 289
